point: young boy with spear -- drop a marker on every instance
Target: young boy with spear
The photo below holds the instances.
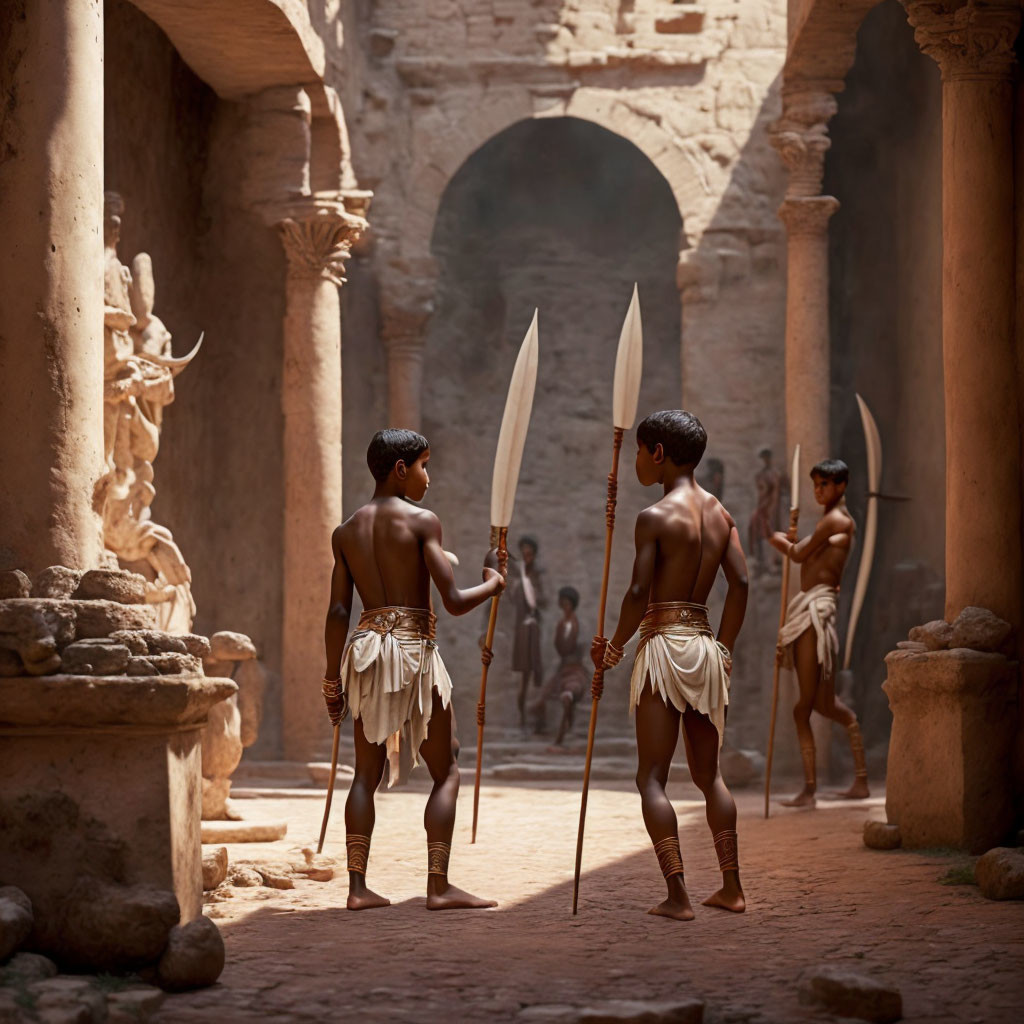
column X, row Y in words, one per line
column 681, row 673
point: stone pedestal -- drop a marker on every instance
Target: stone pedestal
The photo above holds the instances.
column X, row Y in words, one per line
column 99, row 810
column 949, row 773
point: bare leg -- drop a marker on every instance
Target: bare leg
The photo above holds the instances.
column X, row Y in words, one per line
column 360, row 816
column 701, row 739
column 808, row 672
column 524, row 685
column 833, row 708
column 566, row 724
column 438, row 753
column 657, row 730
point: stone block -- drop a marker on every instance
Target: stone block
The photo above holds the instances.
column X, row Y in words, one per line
column 158, row 642
column 172, row 664
column 101, row 618
column 243, row 831
column 1000, row 874
column 15, row 920
column 64, row 1000
column 14, row 583
column 57, row 581
column 197, row 646
column 215, row 867
column 111, row 585
column 244, row 877
column 97, row 657
column 24, row 968
column 687, row 21
column 275, row 876
column 629, row 1011
column 314, row 866
column 134, row 641
column 227, row 646
column 847, row 994
column 948, row 778
column 133, row 1005
column 980, row 630
column 10, row 663
column 935, row 635
column 879, row 835
column 141, row 667
column 194, row 956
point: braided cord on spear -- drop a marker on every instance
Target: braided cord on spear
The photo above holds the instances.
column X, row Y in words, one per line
column 511, row 438
column 626, row 393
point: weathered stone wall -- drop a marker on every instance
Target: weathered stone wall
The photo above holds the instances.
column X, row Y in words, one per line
column 693, row 91
column 884, row 166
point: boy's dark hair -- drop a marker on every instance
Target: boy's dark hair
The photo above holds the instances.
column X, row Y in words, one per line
column 570, row 594
column 832, row 469
column 529, row 541
column 389, row 446
column 680, row 434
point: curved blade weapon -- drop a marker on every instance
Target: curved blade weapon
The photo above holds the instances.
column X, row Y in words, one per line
column 625, row 395
column 507, row 460
column 794, row 518
column 874, row 447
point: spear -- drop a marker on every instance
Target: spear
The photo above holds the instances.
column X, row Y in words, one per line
column 507, row 459
column 794, row 516
column 625, row 394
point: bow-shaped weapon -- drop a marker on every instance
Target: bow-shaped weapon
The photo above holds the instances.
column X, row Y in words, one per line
column 794, row 517
column 625, row 394
column 874, row 446
column 507, row 459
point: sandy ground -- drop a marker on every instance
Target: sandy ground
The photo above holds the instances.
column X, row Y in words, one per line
column 815, row 894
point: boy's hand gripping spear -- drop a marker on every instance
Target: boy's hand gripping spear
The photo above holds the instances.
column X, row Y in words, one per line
column 511, row 438
column 626, row 393
column 794, row 517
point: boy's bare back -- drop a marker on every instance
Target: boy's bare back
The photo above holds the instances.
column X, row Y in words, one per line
column 389, row 546
column 691, row 528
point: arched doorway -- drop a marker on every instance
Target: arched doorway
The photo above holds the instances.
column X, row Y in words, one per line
column 562, row 215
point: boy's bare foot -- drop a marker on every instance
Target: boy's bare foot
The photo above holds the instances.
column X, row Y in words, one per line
column 447, row 897
column 366, row 899
column 728, row 898
column 678, row 910
column 858, row 791
column 805, row 798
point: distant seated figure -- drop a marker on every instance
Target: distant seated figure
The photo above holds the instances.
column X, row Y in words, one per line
column 570, row 679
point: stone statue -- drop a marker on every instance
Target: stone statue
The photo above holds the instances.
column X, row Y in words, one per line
column 765, row 519
column 138, row 381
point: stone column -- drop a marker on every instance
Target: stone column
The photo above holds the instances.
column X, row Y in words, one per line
column 801, row 136
column 403, row 332
column 317, row 234
column 974, row 47
column 51, row 266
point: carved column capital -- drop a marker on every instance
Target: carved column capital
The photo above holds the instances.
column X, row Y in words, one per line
column 801, row 134
column 318, row 234
column 807, row 215
column 972, row 41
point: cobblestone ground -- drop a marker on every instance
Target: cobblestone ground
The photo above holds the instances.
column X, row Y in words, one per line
column 815, row 895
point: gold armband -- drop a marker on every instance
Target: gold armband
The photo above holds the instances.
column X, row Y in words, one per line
column 612, row 655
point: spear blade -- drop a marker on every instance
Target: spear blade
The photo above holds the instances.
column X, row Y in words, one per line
column 514, row 424
column 629, row 364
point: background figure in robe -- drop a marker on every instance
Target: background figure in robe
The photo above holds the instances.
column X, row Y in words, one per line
column 764, row 520
column 570, row 680
column 526, row 585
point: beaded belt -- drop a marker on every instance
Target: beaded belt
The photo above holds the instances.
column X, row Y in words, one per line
column 663, row 614
column 415, row 623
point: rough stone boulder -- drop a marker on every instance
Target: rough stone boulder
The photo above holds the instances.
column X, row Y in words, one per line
column 740, row 767
column 15, row 920
column 251, row 678
column 222, row 750
column 114, row 928
column 57, row 581
column 97, row 657
column 1000, row 874
column 111, row 585
column 935, row 635
column 847, row 994
column 67, row 999
column 228, row 646
column 980, row 630
column 24, row 968
column 617, row 1011
column 879, row 835
column 14, row 583
column 194, row 956
column 134, row 1004
column 215, row 868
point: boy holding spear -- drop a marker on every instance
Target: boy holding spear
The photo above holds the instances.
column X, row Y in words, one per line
column 681, row 673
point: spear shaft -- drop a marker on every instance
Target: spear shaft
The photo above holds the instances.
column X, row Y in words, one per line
column 597, row 683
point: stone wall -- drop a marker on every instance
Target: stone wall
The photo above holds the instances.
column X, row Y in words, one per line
column 691, row 92
column 884, row 166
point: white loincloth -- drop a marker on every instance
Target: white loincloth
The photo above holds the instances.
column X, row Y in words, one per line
column 684, row 662
column 812, row 609
column 389, row 672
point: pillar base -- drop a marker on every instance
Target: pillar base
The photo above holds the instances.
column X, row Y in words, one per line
column 99, row 809
column 954, row 719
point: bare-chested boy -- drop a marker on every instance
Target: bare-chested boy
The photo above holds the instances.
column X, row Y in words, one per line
column 392, row 676
column 681, row 673
column 809, row 641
